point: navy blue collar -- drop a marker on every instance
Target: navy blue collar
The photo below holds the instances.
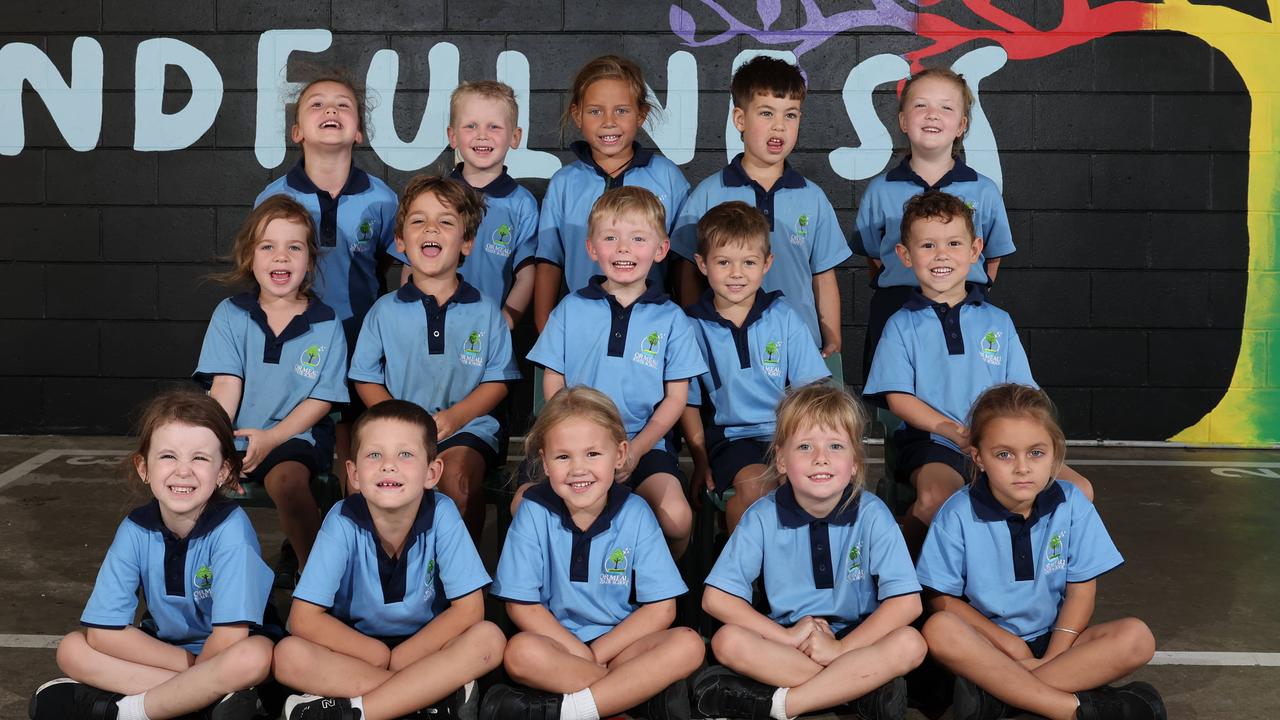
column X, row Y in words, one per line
column 595, row 291
column 734, row 175
column 356, row 507
column 544, row 495
column 987, row 509
column 316, row 312
column 640, row 157
column 705, row 308
column 791, row 515
column 499, row 187
column 958, row 173
column 357, row 181
column 974, row 295
column 148, row 517
column 465, row 293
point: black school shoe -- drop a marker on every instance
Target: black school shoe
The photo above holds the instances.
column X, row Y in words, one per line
column 461, row 704
column 971, row 702
column 1135, row 701
column 66, row 699
column 670, row 704
column 239, row 705
column 887, row 702
column 314, row 707
column 719, row 692
column 504, row 702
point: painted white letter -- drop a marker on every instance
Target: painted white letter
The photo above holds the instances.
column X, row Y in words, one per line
column 76, row 106
column 274, row 48
column 513, row 69
column 675, row 129
column 869, row 158
column 153, row 129
column 431, row 139
column 980, row 151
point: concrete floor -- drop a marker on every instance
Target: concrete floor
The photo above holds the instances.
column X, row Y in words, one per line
column 1197, row 528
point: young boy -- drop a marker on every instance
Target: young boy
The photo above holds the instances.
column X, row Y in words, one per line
column 767, row 95
column 938, row 353
column 756, row 345
column 438, row 342
column 482, row 128
column 389, row 615
column 628, row 340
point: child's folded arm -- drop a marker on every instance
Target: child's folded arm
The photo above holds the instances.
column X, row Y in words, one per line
column 644, row 621
column 222, row 637
column 536, row 618
column 315, row 624
column 461, row 614
column 920, row 415
column 130, row 643
column 664, row 417
column 1009, row 644
column 480, row 401
column 733, row 610
column 1073, row 617
column 893, row 613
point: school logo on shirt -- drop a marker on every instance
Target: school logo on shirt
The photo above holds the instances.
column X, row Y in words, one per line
column 854, row 573
column 429, row 580
column 500, row 241
column 1055, row 556
column 365, row 231
column 650, row 346
column 472, row 348
column 989, row 347
column 772, row 356
column 616, row 564
column 203, row 582
column 309, row 361
column 800, row 233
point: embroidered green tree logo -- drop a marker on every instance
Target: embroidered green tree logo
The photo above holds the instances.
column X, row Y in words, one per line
column 854, row 554
column 651, row 343
column 804, row 223
column 204, row 578
column 365, row 230
column 311, row 356
column 1055, row 546
column 990, row 343
column 771, row 352
column 431, row 569
column 504, row 234
column 617, row 561
column 473, row 342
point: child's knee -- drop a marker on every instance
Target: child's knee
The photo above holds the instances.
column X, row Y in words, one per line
column 490, row 640
column 934, row 484
column 1138, row 640
column 72, row 654
column 287, row 478
column 245, row 663
column 941, row 630
column 689, row 645
column 523, row 652
column 907, row 649
column 288, row 654
column 730, row 641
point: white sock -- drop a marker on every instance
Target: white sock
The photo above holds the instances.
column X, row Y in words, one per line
column 358, row 703
column 130, row 707
column 778, row 710
column 579, row 706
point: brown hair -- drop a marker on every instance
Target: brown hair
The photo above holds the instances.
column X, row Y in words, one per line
column 819, row 404
column 402, row 411
column 934, row 205
column 629, row 200
column 763, row 75
column 578, row 402
column 966, row 98
column 490, row 90
column 733, row 223
column 188, row 407
column 1011, row 400
column 314, row 74
column 608, row 67
column 464, row 200
column 276, row 207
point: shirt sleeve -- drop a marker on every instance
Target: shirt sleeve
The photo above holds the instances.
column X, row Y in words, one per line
column 521, row 567
column 742, row 559
column 997, row 237
column 696, row 393
column 804, row 361
column 893, row 367
column 367, row 362
column 332, row 385
column 1017, row 368
column 242, row 581
column 888, row 559
column 1090, row 550
column 115, row 592
column 942, row 559
column 549, row 350
column 329, row 561
column 500, row 363
column 829, row 246
column 684, row 232
column 526, row 240
column 461, row 570
column 223, row 350
column 550, row 245
column 387, row 237
column 684, row 358
column 869, row 223
column 656, row 576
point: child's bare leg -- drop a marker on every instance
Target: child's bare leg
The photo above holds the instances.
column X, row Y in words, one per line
column 748, row 486
column 84, row 664
column 240, row 666
column 859, row 672
column 544, row 664
column 463, row 659
column 1081, row 482
column 315, row 669
column 1102, row 654
column 934, row 483
column 289, row 485
column 666, row 497
column 463, row 482
column 965, row 652
column 646, row 667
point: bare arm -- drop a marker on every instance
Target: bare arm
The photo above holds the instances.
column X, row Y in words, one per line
column 546, row 291
column 537, row 619
column 646, row 620
column 1009, row 644
column 696, row 440
column 733, row 610
column 133, row 645
column 372, row 393
column 222, row 637
column 993, row 267
column 826, row 298
column 314, row 623
column 663, row 419
column 552, row 383
column 227, row 390
column 894, row 613
column 874, row 265
column 918, row 414
column 1075, row 613
column 520, row 295
column 483, row 399
column 462, row 613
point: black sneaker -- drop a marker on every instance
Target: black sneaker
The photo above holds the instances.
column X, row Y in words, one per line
column 971, row 702
column 887, row 702
column 670, row 704
column 504, row 702
column 66, row 699
column 1135, row 701
column 462, row 704
column 239, row 705
column 720, row 692
column 314, row 707
column 287, row 570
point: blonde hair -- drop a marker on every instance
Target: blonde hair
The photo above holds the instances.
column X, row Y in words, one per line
column 819, row 405
column 1011, row 400
column 579, row 402
column 966, row 98
column 629, row 201
column 490, row 90
column 608, row 67
column 276, row 207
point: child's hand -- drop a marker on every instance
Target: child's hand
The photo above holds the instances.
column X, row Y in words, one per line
column 821, row 647
column 956, row 433
column 801, row 631
column 261, row 443
column 702, row 478
column 445, row 426
column 511, row 321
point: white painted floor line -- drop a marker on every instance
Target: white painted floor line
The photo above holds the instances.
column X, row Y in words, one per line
column 27, row 466
column 1172, row 463
column 37, row 642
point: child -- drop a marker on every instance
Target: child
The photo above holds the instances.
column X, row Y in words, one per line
column 438, row 342
column 840, row 587
column 275, row 359
column 624, row 337
column 1012, row 604
column 767, row 95
column 939, row 352
column 589, row 582
column 389, row 617
column 933, row 112
column 482, row 127
column 608, row 103
column 756, row 345
column 195, row 557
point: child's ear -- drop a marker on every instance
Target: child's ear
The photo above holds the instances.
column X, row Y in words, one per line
column 400, row 246
column 977, row 249
column 434, row 471
column 575, row 113
column 295, row 134
column 467, row 246
column 701, row 262
column 663, row 248
column 739, row 119
column 900, row 248
column 140, row 467
column 768, row 262
column 453, row 139
column 353, row 479
column 515, row 138
column 622, row 456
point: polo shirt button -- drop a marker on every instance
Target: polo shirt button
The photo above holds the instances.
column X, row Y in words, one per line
column 437, row 334
column 822, row 567
column 617, row 334
column 953, row 335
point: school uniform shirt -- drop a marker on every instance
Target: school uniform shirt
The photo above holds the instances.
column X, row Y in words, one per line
column 350, row 574
column 947, row 356
column 506, row 239
column 627, row 353
column 840, row 567
column 750, row 367
column 879, row 218
column 436, row 355
column 352, row 230
column 1014, row 570
column 308, row 359
column 562, row 226
column 214, row 576
column 592, row 579
column 803, row 232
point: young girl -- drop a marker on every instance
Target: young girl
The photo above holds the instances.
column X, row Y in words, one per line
column 589, row 582
column 195, row 556
column 1011, row 565
column 275, row 359
column 840, row 587
column 933, row 112
column 608, row 103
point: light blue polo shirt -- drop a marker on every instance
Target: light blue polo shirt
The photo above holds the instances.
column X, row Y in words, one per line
column 213, row 576
column 352, row 230
column 562, row 227
column 750, row 367
column 307, row 360
column 1014, row 570
column 351, row 574
column 803, row 232
column 436, row 355
column 627, row 353
column 879, row 218
column 590, row 580
column 506, row 239
column 839, row 568
column 947, row 356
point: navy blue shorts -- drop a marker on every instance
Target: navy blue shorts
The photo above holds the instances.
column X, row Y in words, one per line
column 1040, row 644
column 293, row 449
column 651, row 463
column 729, row 457
column 916, row 449
column 470, row 440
